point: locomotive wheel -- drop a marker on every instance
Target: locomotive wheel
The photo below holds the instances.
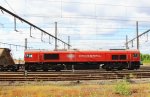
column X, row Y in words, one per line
column 33, row 69
column 45, row 70
column 103, row 66
column 130, row 68
column 1, row 68
column 58, row 67
column 12, row 68
column 120, row 68
column 109, row 68
column 57, row 70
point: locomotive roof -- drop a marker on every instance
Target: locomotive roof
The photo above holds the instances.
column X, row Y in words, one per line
column 81, row 51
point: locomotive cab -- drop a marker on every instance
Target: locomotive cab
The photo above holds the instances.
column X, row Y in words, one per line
column 123, row 59
column 41, row 60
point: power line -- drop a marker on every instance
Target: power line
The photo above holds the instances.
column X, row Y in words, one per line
column 109, row 18
column 13, row 44
column 79, row 27
column 34, row 26
column 96, row 17
column 139, row 35
column 90, row 17
column 96, row 3
column 9, row 6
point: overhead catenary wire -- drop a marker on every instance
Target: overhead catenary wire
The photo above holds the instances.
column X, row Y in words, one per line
column 106, row 18
column 139, row 35
column 87, row 27
column 91, row 3
column 18, row 17
column 10, row 6
column 97, row 3
column 13, row 44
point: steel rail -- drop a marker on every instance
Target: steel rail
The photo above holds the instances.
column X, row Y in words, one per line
column 65, row 76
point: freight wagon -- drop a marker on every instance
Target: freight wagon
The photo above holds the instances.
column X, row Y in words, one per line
column 6, row 60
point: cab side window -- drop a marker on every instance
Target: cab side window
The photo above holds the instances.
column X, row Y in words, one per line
column 28, row 55
column 123, row 57
column 135, row 55
column 115, row 57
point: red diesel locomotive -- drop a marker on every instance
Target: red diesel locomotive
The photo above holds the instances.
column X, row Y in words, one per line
column 60, row 60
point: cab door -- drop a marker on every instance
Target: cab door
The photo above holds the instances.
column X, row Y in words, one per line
column 41, row 57
column 31, row 56
column 135, row 57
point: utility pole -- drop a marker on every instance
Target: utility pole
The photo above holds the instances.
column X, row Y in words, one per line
column 26, row 44
column 127, row 42
column 137, row 31
column 56, row 35
column 68, row 42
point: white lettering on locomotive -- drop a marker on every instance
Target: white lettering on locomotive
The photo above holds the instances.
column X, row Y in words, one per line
column 90, row 56
column 70, row 56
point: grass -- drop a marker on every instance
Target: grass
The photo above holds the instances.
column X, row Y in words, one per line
column 146, row 62
column 123, row 88
column 120, row 89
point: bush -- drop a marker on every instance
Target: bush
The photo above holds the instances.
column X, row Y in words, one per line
column 123, row 88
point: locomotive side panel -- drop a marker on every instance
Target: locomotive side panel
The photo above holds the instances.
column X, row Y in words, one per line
column 82, row 56
column 124, row 59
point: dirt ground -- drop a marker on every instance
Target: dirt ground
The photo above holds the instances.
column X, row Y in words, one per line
column 103, row 88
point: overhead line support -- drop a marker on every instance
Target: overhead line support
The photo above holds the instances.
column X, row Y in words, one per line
column 137, row 31
column 16, row 16
column 138, row 35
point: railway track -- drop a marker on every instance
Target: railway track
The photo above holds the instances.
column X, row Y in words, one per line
column 71, row 76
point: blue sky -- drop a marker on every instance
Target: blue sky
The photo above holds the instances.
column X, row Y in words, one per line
column 91, row 24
